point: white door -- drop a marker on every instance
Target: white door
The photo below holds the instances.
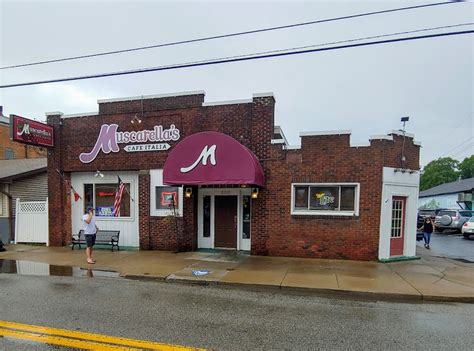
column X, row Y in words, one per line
column 207, row 216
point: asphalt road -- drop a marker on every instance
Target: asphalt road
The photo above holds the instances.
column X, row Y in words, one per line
column 227, row 319
column 451, row 246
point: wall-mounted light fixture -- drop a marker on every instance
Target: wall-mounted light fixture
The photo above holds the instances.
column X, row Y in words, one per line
column 98, row 174
column 254, row 193
column 137, row 119
column 188, row 192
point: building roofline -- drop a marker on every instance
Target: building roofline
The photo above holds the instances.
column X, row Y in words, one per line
column 327, row 132
column 157, row 96
column 227, row 102
column 85, row 114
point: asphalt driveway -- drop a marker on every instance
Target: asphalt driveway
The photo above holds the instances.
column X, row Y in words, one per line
column 452, row 246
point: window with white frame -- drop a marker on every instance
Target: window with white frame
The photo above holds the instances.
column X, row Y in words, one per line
column 325, row 199
column 165, row 200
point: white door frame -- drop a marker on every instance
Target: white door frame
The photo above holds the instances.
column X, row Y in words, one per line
column 208, row 243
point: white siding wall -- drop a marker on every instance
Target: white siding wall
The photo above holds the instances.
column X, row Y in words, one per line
column 128, row 226
column 32, row 188
column 399, row 184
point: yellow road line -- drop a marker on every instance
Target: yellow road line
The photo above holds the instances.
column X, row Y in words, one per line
column 56, row 340
column 150, row 345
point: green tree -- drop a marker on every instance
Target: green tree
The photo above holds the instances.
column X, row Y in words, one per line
column 440, row 171
column 466, row 167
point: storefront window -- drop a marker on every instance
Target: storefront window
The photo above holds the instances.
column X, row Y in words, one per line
column 102, row 198
column 167, row 198
column 206, row 220
column 320, row 199
column 246, row 218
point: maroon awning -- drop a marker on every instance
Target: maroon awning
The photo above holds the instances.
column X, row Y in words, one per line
column 208, row 158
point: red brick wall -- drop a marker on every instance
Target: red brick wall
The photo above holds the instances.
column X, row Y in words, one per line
column 321, row 159
column 325, row 159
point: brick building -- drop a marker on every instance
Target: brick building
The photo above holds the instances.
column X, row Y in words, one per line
column 221, row 175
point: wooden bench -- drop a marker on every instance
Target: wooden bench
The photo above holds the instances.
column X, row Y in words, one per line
column 103, row 237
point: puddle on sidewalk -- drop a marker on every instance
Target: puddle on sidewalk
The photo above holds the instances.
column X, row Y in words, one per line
column 43, row 269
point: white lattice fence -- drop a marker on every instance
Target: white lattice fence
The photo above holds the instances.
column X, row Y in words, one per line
column 31, row 222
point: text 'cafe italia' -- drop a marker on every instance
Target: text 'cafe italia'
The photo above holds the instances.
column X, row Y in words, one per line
column 221, row 175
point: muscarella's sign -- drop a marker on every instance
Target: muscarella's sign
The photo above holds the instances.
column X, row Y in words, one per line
column 109, row 138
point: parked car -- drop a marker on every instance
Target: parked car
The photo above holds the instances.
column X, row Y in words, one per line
column 452, row 219
column 422, row 214
column 468, row 228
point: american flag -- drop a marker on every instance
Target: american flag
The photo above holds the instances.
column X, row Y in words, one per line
column 118, row 197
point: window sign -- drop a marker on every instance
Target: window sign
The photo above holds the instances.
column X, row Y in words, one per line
column 324, row 198
column 166, row 197
column 105, row 211
column 336, row 199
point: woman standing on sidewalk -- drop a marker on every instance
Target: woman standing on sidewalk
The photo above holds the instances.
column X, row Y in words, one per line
column 90, row 230
column 428, row 228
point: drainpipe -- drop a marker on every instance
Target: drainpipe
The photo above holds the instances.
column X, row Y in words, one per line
column 10, row 211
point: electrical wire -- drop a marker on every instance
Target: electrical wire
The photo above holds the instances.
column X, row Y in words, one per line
column 228, row 35
column 460, row 152
column 457, row 146
column 238, row 59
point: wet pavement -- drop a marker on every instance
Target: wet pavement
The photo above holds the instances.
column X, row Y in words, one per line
column 429, row 278
column 452, row 246
column 220, row 318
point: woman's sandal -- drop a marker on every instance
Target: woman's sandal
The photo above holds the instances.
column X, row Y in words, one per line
column 90, row 261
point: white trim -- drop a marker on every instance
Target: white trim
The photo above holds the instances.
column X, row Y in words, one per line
column 209, row 242
column 157, row 96
column 86, row 114
column 381, row 137
column 227, row 102
column 259, row 95
column 417, row 143
column 326, row 132
column 399, row 132
column 55, row 113
column 156, row 180
column 361, row 144
column 292, row 147
column 277, row 141
column 354, row 213
column 279, row 130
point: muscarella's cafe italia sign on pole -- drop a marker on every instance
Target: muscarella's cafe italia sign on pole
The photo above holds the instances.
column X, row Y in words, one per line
column 109, row 138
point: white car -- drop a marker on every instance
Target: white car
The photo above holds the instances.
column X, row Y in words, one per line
column 468, row 228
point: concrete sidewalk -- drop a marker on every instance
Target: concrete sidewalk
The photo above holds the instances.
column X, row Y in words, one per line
column 430, row 278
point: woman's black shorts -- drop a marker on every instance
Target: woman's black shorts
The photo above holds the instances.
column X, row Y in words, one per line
column 90, row 240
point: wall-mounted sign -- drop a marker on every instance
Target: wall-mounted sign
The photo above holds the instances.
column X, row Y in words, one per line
column 27, row 131
column 109, row 138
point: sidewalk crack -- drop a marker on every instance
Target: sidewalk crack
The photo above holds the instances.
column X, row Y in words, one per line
column 406, row 281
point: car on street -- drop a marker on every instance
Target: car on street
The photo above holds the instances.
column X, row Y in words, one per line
column 468, row 228
column 452, row 219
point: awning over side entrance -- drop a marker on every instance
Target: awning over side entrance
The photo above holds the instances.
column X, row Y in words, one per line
column 208, row 158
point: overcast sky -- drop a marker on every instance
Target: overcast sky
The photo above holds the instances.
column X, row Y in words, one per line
column 364, row 89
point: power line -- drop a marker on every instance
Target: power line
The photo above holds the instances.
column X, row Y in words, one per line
column 464, row 149
column 457, row 146
column 228, row 35
column 239, row 59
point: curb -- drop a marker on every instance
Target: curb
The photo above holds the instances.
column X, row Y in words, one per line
column 321, row 292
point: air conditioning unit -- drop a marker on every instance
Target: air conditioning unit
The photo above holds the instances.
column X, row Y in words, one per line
column 464, row 197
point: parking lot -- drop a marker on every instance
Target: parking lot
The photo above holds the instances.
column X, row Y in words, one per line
column 451, row 246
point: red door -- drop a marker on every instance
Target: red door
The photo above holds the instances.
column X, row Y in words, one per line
column 397, row 233
column 225, row 223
